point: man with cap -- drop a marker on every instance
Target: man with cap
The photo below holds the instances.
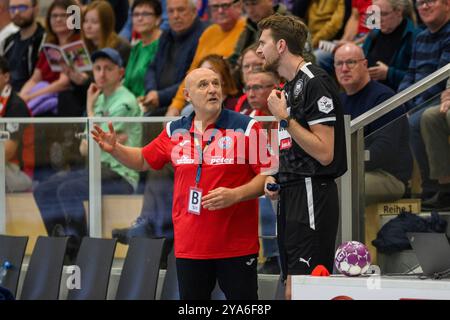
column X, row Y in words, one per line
column 60, row 199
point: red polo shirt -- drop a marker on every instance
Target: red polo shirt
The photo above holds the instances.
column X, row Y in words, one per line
column 227, row 162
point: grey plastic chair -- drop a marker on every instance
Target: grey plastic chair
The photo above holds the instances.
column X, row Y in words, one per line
column 43, row 276
column 94, row 260
column 12, row 249
column 140, row 272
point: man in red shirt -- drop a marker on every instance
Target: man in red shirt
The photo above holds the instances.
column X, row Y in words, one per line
column 218, row 178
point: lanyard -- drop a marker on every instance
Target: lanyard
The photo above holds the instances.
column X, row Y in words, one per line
column 200, row 153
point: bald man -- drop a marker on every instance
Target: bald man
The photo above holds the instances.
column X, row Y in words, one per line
column 216, row 186
column 390, row 164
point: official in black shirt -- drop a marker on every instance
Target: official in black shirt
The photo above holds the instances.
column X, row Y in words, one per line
column 312, row 149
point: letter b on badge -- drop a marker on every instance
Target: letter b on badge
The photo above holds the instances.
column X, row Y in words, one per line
column 195, row 201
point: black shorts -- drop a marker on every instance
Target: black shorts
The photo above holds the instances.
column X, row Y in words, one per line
column 308, row 215
column 237, row 277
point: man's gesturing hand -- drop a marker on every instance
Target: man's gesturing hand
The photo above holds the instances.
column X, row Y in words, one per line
column 106, row 140
column 219, row 198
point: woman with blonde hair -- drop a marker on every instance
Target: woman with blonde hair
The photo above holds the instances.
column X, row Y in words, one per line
column 98, row 29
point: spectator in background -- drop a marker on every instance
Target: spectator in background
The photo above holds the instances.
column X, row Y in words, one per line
column 98, row 29
column 97, row 32
column 390, row 166
column 431, row 51
column 355, row 30
column 389, row 49
column 128, row 32
column 435, row 129
column 219, row 38
column 324, row 19
column 256, row 10
column 258, row 86
column 6, row 26
column 21, row 49
column 60, row 199
column 146, row 20
column 229, row 89
column 176, row 50
column 40, row 91
column 120, row 8
column 19, row 149
column 249, row 62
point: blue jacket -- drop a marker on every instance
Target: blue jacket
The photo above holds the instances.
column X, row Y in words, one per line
column 400, row 61
column 188, row 42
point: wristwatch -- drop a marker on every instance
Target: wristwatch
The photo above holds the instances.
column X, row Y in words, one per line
column 284, row 123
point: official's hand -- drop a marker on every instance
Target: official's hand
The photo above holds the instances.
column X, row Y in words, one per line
column 273, row 195
column 379, row 72
column 219, row 198
column 106, row 140
column 277, row 104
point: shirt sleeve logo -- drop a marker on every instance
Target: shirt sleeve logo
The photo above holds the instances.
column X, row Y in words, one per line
column 325, row 104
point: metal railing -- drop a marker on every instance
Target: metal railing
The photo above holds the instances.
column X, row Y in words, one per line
column 357, row 191
column 351, row 185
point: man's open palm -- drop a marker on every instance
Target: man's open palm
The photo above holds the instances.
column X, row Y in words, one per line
column 106, row 140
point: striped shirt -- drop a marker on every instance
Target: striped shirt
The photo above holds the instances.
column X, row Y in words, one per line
column 431, row 51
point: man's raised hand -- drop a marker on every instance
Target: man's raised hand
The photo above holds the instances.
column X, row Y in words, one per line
column 106, row 140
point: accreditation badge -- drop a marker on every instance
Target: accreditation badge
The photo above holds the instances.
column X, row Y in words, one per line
column 195, row 200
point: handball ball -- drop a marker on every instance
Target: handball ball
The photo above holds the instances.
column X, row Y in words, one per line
column 352, row 258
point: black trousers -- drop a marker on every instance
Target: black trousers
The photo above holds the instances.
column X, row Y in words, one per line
column 237, row 278
column 307, row 221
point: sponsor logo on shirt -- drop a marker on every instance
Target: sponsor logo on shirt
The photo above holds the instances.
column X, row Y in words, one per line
column 185, row 160
column 221, row 160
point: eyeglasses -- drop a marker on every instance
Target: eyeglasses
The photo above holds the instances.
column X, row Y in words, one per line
column 20, row 8
column 224, row 6
column 258, row 87
column 251, row 2
column 55, row 16
column 252, row 66
column 429, row 3
column 136, row 15
column 350, row 63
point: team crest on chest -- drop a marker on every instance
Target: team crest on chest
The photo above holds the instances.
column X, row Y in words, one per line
column 325, row 104
column 298, row 88
column 225, row 142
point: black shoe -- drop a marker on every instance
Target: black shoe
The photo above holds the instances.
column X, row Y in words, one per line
column 271, row 266
column 121, row 235
column 73, row 246
column 140, row 228
column 440, row 202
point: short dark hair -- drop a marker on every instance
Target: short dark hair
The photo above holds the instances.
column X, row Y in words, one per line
column 289, row 28
column 4, row 65
column 155, row 4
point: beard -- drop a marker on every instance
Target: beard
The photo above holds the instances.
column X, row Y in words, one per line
column 272, row 65
column 23, row 23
